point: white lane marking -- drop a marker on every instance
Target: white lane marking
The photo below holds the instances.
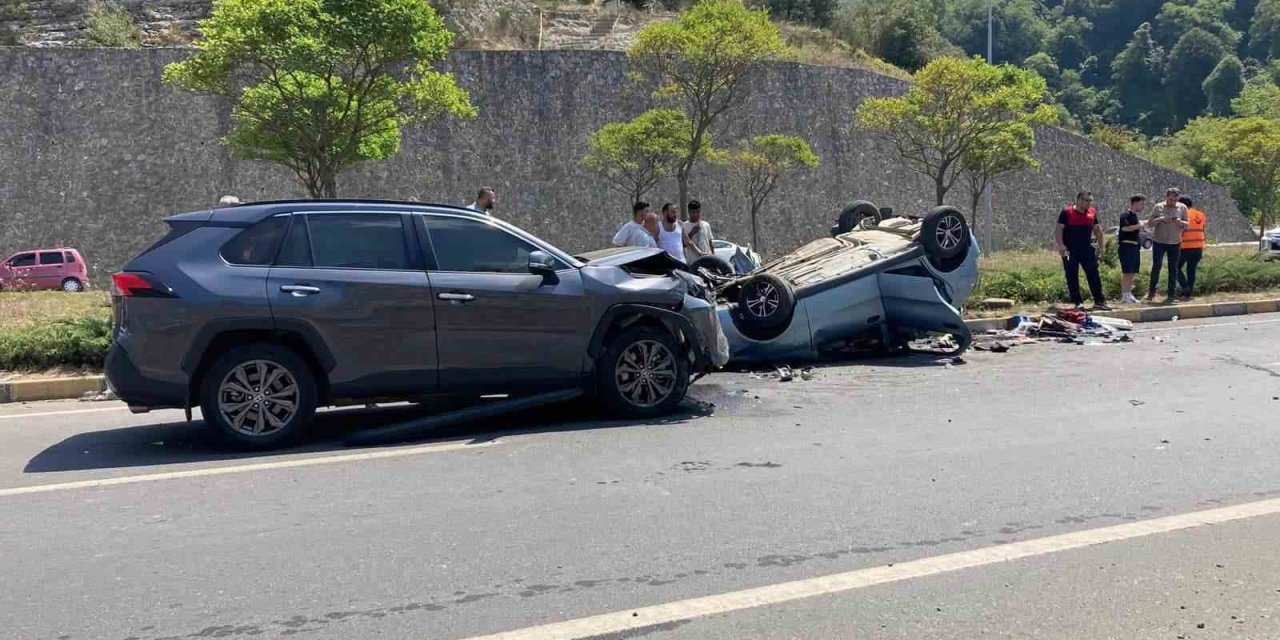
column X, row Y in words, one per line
column 245, row 468
column 10, row 416
column 681, row 610
column 1215, row 325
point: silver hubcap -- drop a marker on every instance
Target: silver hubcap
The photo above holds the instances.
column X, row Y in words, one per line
column 71, row 285
column 258, row 398
column 950, row 232
column 646, row 373
column 764, row 302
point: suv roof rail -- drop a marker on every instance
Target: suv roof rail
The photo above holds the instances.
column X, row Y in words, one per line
column 348, row 200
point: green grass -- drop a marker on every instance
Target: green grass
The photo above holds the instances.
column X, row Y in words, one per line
column 47, row 329
column 1036, row 277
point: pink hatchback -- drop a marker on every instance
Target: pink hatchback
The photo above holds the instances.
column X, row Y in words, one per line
column 44, row 269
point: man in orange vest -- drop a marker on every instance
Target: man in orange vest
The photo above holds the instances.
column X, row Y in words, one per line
column 1192, row 248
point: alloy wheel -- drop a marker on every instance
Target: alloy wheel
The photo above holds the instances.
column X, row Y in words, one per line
column 646, row 373
column 765, row 301
column 258, row 398
column 950, row 232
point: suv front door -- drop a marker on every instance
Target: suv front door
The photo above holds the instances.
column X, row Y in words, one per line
column 22, row 270
column 356, row 282
column 501, row 328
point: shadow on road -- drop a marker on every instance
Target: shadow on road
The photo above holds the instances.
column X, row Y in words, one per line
column 181, row 442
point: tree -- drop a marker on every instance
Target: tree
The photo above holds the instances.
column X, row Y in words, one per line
column 1223, row 85
column 633, row 156
column 760, row 163
column 1020, row 27
column 814, row 12
column 1259, row 98
column 1136, row 73
column 1264, row 34
column 1002, row 151
column 1192, row 59
column 1180, row 17
column 1248, row 152
column 706, row 59
column 952, row 109
column 326, row 83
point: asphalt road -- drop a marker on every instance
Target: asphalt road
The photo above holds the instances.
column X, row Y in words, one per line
column 1055, row 491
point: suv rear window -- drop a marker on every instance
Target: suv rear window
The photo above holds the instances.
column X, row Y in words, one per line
column 256, row 245
column 71, row 257
column 358, row 241
column 51, row 257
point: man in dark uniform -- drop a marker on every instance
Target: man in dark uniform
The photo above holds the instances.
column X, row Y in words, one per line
column 1077, row 226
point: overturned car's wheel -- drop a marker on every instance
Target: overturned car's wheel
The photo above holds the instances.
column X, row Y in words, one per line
column 853, row 214
column 945, row 234
column 766, row 302
column 258, row 396
column 643, row 373
column 714, row 264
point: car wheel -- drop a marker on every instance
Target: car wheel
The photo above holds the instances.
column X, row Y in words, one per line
column 714, row 264
column 71, row 285
column 945, row 233
column 643, row 373
column 258, row 396
column 853, row 215
column 766, row 302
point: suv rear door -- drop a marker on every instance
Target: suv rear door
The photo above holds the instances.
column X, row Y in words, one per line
column 501, row 328
column 356, row 282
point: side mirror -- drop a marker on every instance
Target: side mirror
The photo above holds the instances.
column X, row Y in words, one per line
column 543, row 265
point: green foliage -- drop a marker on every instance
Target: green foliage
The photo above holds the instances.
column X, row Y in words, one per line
column 1264, row 33
column 814, row 12
column 107, row 24
column 1114, row 136
column 1260, row 97
column 1137, row 74
column 1180, row 17
column 74, row 342
column 761, row 162
column 633, row 156
column 957, row 110
column 1190, row 62
column 1223, row 85
column 1034, row 278
column 329, row 83
column 706, row 60
column 899, row 33
column 1247, row 155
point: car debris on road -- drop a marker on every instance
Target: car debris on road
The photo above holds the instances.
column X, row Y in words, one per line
column 1066, row 326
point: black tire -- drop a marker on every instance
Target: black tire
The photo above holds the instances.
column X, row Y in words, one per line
column 629, row 395
column 766, row 302
column 853, row 214
column 714, row 264
column 72, row 285
column 945, row 234
column 251, row 356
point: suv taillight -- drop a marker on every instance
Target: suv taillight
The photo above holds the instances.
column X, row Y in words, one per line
column 134, row 284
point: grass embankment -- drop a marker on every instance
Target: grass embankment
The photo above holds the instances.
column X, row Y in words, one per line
column 1036, row 278
column 48, row 329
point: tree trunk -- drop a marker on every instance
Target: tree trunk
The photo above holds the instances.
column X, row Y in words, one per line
column 940, row 188
column 755, row 229
column 682, row 179
column 328, row 183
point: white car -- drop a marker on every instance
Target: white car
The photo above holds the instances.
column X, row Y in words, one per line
column 1270, row 242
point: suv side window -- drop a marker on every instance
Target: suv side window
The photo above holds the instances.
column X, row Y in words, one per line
column 256, row 245
column 71, row 257
column 472, row 246
column 296, row 251
column 358, row 241
column 23, row 260
column 51, row 257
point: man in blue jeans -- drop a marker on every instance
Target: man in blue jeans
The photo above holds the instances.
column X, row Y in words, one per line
column 1077, row 226
column 1168, row 219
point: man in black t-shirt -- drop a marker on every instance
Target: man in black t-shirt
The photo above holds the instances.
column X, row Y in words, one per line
column 1129, row 245
column 1077, row 226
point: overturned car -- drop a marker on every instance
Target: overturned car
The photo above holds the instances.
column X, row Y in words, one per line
column 888, row 281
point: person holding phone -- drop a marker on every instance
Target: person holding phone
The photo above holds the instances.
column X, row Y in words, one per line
column 1168, row 219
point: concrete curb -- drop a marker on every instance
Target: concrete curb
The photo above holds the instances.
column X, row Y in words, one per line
column 50, row 388
column 1153, row 314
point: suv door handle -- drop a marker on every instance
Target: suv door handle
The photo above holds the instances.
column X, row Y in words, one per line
column 299, row 290
column 456, row 297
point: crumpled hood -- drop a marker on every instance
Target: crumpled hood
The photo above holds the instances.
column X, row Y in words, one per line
column 654, row 260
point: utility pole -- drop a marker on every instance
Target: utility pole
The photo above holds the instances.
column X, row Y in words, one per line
column 991, row 226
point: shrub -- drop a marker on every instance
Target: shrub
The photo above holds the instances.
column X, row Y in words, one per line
column 110, row 25
column 77, row 342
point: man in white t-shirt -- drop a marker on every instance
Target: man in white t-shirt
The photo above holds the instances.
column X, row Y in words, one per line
column 486, row 199
column 635, row 233
column 699, row 232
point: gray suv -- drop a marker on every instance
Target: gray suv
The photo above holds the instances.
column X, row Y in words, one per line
column 259, row 313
